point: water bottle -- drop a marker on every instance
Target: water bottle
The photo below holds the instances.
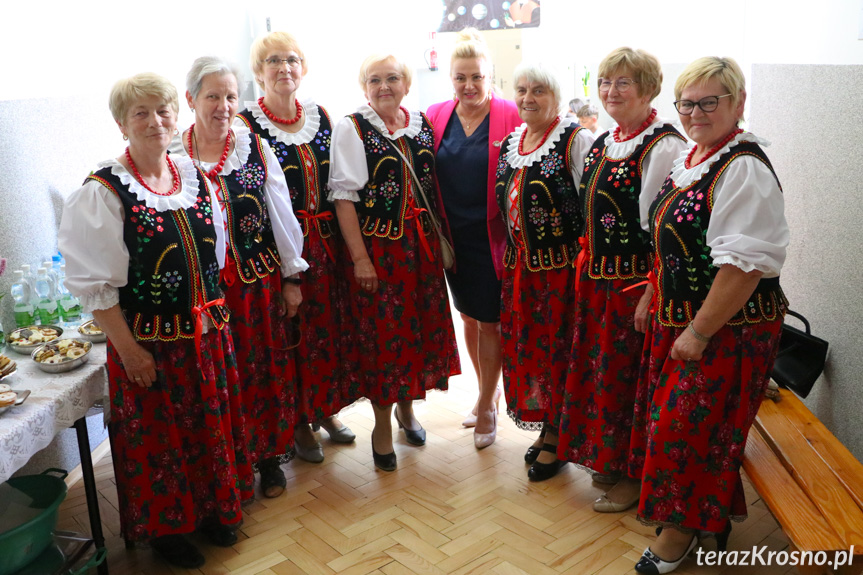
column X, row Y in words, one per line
column 46, row 307
column 24, row 311
column 70, row 306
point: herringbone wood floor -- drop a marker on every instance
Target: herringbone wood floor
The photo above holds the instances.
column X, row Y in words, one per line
column 447, row 509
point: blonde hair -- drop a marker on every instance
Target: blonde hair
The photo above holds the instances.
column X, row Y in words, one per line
column 274, row 41
column 375, row 59
column 469, row 44
column 129, row 90
column 702, row 70
column 643, row 66
column 539, row 74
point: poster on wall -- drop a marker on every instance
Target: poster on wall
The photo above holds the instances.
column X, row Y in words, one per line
column 489, row 14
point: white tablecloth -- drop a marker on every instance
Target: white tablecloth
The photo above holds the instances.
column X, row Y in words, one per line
column 56, row 401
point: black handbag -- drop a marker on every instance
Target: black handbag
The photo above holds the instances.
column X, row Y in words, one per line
column 800, row 359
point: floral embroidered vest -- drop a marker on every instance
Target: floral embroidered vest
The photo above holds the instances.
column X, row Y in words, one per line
column 679, row 218
column 618, row 247
column 385, row 200
column 251, row 243
column 548, row 206
column 172, row 264
column 307, row 171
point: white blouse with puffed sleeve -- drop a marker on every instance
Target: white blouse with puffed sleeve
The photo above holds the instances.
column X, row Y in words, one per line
column 747, row 226
column 91, row 232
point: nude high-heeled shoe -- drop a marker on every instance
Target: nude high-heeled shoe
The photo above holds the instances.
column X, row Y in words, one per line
column 483, row 440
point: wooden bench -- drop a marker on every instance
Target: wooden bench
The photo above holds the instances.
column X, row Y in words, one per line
column 811, row 483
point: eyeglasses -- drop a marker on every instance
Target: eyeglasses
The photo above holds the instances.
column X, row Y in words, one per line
column 476, row 78
column 292, row 62
column 621, row 84
column 708, row 104
column 390, row 80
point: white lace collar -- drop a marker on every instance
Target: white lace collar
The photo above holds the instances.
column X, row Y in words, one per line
column 517, row 161
column 619, row 150
column 185, row 198
column 306, row 134
column 683, row 176
column 415, row 123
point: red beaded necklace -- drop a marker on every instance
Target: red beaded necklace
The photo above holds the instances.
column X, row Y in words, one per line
column 278, row 120
column 548, row 130
column 711, row 151
column 214, row 173
column 407, row 120
column 174, row 175
column 643, row 127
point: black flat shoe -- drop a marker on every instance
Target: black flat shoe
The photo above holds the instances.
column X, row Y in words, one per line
column 273, row 480
column 218, row 534
column 533, row 452
column 542, row 471
column 417, row 437
column 178, row 551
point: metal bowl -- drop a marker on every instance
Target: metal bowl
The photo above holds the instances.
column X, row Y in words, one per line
column 26, row 349
column 94, row 337
column 67, row 365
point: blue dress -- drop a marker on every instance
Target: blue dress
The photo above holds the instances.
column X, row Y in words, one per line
column 462, row 170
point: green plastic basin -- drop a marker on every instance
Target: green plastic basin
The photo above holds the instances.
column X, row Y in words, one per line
column 28, row 515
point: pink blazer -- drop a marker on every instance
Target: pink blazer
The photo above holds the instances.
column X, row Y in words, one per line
column 503, row 120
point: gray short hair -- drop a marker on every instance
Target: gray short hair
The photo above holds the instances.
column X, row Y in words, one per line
column 588, row 110
column 203, row 67
column 539, row 74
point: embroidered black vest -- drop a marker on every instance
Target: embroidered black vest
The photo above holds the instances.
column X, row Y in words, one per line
column 307, row 171
column 679, row 218
column 385, row 199
column 250, row 233
column 548, row 206
column 172, row 264
column 618, row 247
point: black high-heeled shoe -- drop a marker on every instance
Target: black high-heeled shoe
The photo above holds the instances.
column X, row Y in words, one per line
column 178, row 551
column 542, row 471
column 651, row 564
column 533, row 451
column 417, row 437
column 383, row 461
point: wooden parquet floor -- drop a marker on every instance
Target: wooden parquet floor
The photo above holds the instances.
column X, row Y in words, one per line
column 447, row 509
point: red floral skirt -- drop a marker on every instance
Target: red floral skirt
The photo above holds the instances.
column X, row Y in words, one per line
column 691, row 421
column 399, row 341
column 537, row 340
column 322, row 389
column 179, row 447
column 265, row 364
column 596, row 419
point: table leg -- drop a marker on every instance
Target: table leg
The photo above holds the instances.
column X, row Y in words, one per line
column 90, row 489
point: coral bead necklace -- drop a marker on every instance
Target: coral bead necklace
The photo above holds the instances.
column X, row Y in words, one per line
column 175, row 175
column 545, row 134
column 278, row 120
column 687, row 163
column 643, row 127
column 213, row 174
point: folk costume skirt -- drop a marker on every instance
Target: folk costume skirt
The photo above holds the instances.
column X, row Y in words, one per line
column 691, row 421
column 399, row 341
column 179, row 447
column 266, row 365
column 322, row 389
column 536, row 323
column 596, row 416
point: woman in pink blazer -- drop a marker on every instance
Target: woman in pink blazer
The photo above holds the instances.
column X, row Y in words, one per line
column 468, row 133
